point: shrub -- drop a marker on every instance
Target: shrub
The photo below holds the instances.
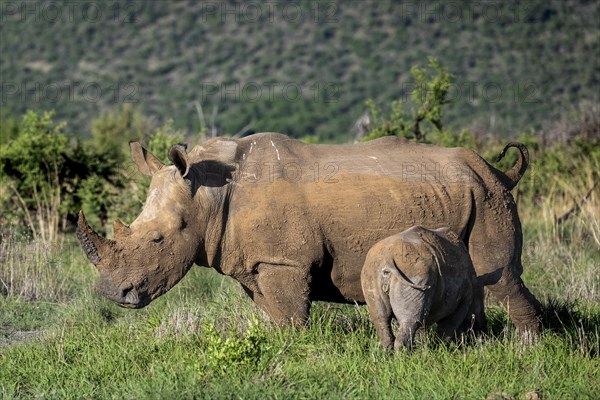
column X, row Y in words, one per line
column 235, row 350
column 163, row 138
column 47, row 177
column 31, row 167
column 429, row 95
column 111, row 133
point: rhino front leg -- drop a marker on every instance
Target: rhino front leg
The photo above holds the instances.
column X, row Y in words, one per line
column 476, row 319
column 284, row 293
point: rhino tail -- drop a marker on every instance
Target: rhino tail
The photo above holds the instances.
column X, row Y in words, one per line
column 514, row 175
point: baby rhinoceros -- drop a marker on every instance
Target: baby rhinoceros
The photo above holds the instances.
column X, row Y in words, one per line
column 421, row 277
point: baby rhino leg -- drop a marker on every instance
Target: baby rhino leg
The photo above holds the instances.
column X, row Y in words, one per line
column 378, row 304
column 454, row 324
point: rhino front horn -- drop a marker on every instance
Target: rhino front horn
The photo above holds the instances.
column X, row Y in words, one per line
column 93, row 244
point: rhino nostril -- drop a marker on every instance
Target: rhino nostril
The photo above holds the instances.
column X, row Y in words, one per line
column 125, row 293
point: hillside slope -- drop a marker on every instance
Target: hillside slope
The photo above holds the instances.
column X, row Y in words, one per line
column 299, row 68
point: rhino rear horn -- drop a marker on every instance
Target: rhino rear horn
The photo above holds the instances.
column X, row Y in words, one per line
column 93, row 244
column 120, row 230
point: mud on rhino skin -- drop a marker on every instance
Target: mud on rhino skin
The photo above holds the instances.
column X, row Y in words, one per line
column 293, row 222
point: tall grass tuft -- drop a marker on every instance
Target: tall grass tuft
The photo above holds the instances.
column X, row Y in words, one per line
column 37, row 270
column 561, row 247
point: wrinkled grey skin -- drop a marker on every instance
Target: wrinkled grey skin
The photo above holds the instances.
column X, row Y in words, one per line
column 421, row 277
column 293, row 222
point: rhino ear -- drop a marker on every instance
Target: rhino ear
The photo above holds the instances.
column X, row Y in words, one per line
column 146, row 162
column 178, row 157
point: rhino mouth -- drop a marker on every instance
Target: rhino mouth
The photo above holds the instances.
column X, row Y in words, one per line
column 132, row 306
column 127, row 298
column 131, row 299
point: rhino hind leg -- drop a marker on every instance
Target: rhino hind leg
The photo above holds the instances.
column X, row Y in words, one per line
column 500, row 272
column 284, row 293
column 453, row 325
column 523, row 308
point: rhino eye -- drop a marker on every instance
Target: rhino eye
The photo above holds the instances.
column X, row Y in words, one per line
column 156, row 237
column 182, row 224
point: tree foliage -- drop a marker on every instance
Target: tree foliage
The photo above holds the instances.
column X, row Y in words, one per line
column 429, row 95
column 47, row 176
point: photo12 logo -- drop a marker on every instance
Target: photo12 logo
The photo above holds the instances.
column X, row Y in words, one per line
column 70, row 11
column 485, row 11
column 269, row 11
column 70, row 91
column 251, row 92
column 435, row 172
column 293, row 172
column 480, row 92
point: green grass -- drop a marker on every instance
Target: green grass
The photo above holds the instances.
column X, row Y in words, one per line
column 205, row 339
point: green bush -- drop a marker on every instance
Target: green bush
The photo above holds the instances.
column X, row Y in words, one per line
column 9, row 126
column 32, row 175
column 235, row 350
column 163, row 138
column 112, row 131
column 48, row 177
column 429, row 95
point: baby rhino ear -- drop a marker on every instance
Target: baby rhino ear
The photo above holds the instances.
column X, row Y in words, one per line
column 145, row 161
column 449, row 234
column 179, row 158
column 443, row 231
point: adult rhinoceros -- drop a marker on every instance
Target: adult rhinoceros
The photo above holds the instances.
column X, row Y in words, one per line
column 293, row 222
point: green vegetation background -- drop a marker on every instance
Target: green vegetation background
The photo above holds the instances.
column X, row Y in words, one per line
column 205, row 338
column 519, row 64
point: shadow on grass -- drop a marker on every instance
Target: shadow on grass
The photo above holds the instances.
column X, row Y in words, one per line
column 571, row 320
column 569, row 316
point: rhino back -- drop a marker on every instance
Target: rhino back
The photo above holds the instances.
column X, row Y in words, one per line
column 324, row 206
column 275, row 156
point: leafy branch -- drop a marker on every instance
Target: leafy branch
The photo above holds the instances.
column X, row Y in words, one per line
column 429, row 95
